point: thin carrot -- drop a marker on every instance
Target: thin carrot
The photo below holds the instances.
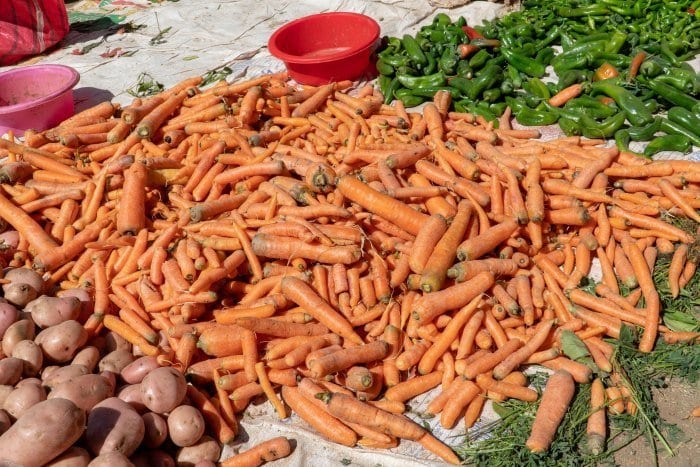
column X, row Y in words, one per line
column 268, row 451
column 676, row 268
column 566, row 94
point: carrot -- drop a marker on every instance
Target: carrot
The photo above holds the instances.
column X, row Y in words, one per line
column 412, row 355
column 580, row 372
column 271, row 450
column 677, row 198
column 349, row 409
column 59, row 256
column 506, row 388
column 129, row 334
column 324, row 423
column 466, row 270
column 636, row 62
column 449, row 334
column 288, row 248
column 491, row 360
column 443, row 254
column 676, row 268
column 155, row 118
column 565, row 95
column 429, row 306
column 512, row 361
column 346, row 358
column 358, row 378
column 556, row 398
column 279, row 328
column 303, row 295
column 414, row 386
column 388, row 208
column 315, row 101
column 429, row 235
column 476, row 247
column 26, row 226
column 433, row 119
column 457, row 402
column 473, row 412
column 650, row 223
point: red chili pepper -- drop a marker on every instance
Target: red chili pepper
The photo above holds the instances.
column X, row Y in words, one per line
column 472, row 33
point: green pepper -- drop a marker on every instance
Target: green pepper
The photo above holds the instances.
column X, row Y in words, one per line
column 491, row 95
column 488, row 77
column 591, row 106
column 617, row 40
column 588, row 10
column 408, row 99
column 572, row 76
column 545, row 55
column 550, row 37
column 678, row 80
column 671, row 127
column 507, row 86
column 678, row 143
column 527, row 65
column 622, row 139
column 533, row 117
column 463, row 69
column 633, row 107
column 569, row 126
column 591, row 128
column 394, row 60
column 483, row 42
column 479, row 59
column 430, row 91
column 483, row 109
column 514, row 76
column 644, row 133
column 384, row 68
column 412, row 82
column 448, row 61
column 685, row 118
column 537, row 87
column 413, row 50
column 462, row 84
column 671, row 94
column 498, row 108
column 651, row 67
column 384, row 83
column 442, row 19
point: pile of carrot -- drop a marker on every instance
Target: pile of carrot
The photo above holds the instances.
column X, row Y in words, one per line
column 340, row 256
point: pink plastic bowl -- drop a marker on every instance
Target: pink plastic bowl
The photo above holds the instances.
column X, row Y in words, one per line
column 325, row 47
column 37, row 97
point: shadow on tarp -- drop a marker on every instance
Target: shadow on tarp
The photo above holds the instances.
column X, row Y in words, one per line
column 87, row 97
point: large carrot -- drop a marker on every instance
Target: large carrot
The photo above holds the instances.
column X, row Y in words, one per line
column 476, row 247
column 426, row 239
column 556, row 398
column 303, row 295
column 25, row 225
column 345, row 358
column 430, row 306
column 131, row 214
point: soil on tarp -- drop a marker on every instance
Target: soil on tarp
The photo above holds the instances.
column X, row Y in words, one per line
column 676, row 403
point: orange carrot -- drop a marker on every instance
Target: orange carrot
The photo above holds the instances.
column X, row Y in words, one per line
column 476, row 247
column 426, row 239
column 556, row 398
column 343, row 359
column 271, row 450
column 414, row 386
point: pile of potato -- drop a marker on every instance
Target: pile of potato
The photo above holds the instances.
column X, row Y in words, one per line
column 68, row 400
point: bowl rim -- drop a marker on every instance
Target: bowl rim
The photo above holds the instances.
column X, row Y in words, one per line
column 296, row 59
column 74, row 79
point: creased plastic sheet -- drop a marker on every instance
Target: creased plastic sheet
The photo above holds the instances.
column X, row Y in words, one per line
column 207, row 34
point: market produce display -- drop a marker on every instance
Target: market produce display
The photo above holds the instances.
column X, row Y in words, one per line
column 614, row 67
column 335, row 253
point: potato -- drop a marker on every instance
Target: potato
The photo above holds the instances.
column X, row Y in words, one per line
column 113, row 425
column 9, row 241
column 29, row 382
column 44, row 432
column 31, row 356
column 23, row 329
column 163, row 389
column 10, row 370
column 63, row 374
column 24, row 397
column 135, row 371
column 26, row 276
column 115, row 361
column 73, row 457
column 84, row 391
column 49, row 311
column 156, row 430
column 5, row 421
column 8, row 315
column 19, row 294
column 185, row 425
column 153, row 458
column 205, row 464
column 114, row 342
column 111, row 379
column 86, row 303
column 61, row 341
column 206, row 449
column 5, row 390
column 88, row 357
column 131, row 394
column 111, row 459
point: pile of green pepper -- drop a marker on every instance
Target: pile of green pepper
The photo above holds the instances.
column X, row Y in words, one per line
column 502, row 62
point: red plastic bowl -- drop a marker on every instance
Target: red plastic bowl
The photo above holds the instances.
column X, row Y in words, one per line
column 37, row 97
column 325, row 47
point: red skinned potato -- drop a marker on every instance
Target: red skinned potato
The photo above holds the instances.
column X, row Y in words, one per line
column 115, row 361
column 49, row 311
column 185, row 425
column 5, row 421
column 21, row 330
column 84, row 391
column 86, row 302
column 111, row 459
column 9, row 241
column 135, row 371
column 131, row 394
column 153, row 458
column 22, row 399
column 156, row 430
column 8, row 315
column 74, row 457
column 29, row 382
column 206, row 449
column 19, row 294
column 62, row 374
column 113, row 341
column 5, row 390
column 62, row 341
column 205, row 464
column 113, row 425
column 88, row 357
column 31, row 355
column 163, row 389
column 25, row 276
column 10, row 370
column 44, row 432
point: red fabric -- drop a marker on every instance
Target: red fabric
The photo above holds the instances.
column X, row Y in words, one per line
column 28, row 27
